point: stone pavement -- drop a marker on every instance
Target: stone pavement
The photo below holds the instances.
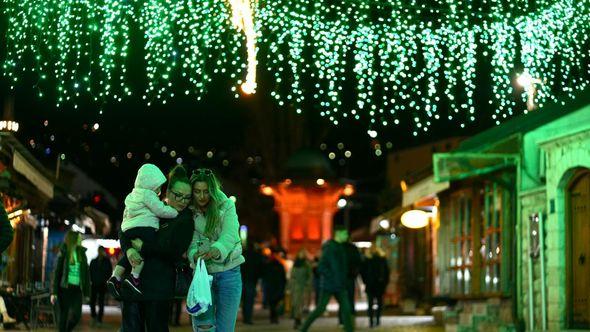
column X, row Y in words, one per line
column 261, row 323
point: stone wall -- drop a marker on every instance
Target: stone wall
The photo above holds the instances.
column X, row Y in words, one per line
column 531, row 202
column 565, row 156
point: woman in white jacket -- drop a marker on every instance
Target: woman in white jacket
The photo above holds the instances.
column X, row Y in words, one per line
column 216, row 240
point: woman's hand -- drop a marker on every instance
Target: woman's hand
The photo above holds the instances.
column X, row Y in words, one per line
column 53, row 299
column 137, row 244
column 213, row 253
column 134, row 257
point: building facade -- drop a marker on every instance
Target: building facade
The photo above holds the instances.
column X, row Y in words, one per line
column 516, row 222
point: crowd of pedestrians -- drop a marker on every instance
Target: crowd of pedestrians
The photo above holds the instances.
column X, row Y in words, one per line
column 196, row 220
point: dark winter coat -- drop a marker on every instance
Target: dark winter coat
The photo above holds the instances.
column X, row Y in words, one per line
column 375, row 274
column 62, row 268
column 100, row 271
column 253, row 267
column 276, row 280
column 354, row 260
column 172, row 241
column 6, row 231
column 333, row 267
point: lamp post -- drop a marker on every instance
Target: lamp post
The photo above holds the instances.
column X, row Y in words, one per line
column 529, row 83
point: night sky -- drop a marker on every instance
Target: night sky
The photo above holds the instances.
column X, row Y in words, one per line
column 250, row 138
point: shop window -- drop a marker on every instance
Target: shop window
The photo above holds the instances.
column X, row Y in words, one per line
column 471, row 237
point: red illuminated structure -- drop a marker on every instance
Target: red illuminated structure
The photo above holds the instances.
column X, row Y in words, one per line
column 306, row 202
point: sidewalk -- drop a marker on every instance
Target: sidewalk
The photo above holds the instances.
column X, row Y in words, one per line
column 112, row 321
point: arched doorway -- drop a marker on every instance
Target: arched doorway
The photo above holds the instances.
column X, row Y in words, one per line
column 578, row 250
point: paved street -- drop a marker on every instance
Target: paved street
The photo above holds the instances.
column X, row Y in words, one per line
column 324, row 324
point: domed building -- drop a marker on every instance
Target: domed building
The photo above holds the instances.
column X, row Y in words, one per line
column 306, row 201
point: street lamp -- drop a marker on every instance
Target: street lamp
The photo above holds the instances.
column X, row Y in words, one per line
column 529, row 84
column 415, row 219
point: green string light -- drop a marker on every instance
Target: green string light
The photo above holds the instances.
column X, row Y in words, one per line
column 407, row 59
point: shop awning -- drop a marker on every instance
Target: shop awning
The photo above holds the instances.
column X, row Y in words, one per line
column 22, row 165
column 100, row 220
column 462, row 165
column 424, row 188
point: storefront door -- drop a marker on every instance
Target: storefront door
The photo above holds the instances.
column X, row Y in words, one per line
column 579, row 260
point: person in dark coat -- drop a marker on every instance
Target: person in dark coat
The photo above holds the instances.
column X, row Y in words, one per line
column 333, row 269
column 354, row 259
column 149, row 312
column 100, row 272
column 375, row 275
column 70, row 282
column 251, row 272
column 276, row 281
column 6, row 231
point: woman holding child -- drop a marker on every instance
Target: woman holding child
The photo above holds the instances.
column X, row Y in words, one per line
column 211, row 227
column 149, row 310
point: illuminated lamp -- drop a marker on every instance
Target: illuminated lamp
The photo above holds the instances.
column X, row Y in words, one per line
column 404, row 186
column 348, row 190
column 415, row 219
column 266, row 190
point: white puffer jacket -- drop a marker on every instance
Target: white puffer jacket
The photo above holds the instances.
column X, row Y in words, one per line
column 143, row 207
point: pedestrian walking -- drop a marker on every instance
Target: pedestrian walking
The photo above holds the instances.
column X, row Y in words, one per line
column 70, row 282
column 375, row 275
column 299, row 283
column 252, row 270
column 276, row 280
column 333, row 270
column 354, row 258
column 100, row 271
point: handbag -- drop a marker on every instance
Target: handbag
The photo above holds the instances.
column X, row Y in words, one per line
column 183, row 279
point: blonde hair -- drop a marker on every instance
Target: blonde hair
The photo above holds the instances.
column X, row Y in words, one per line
column 217, row 198
column 71, row 242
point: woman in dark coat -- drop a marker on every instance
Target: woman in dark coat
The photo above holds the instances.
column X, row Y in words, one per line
column 375, row 274
column 150, row 311
column 71, row 283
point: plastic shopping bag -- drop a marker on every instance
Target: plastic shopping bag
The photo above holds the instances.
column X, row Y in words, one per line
column 198, row 299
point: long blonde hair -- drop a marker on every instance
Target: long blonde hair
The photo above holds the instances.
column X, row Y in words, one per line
column 71, row 242
column 216, row 196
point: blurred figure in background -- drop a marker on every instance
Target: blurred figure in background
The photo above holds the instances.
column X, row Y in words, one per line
column 375, row 274
column 100, row 271
column 70, row 282
column 316, row 279
column 276, row 280
column 333, row 270
column 354, row 259
column 6, row 319
column 252, row 270
column 301, row 275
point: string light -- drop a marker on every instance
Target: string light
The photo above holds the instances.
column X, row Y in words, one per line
column 408, row 59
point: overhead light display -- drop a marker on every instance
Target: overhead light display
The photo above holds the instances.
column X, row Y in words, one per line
column 417, row 61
